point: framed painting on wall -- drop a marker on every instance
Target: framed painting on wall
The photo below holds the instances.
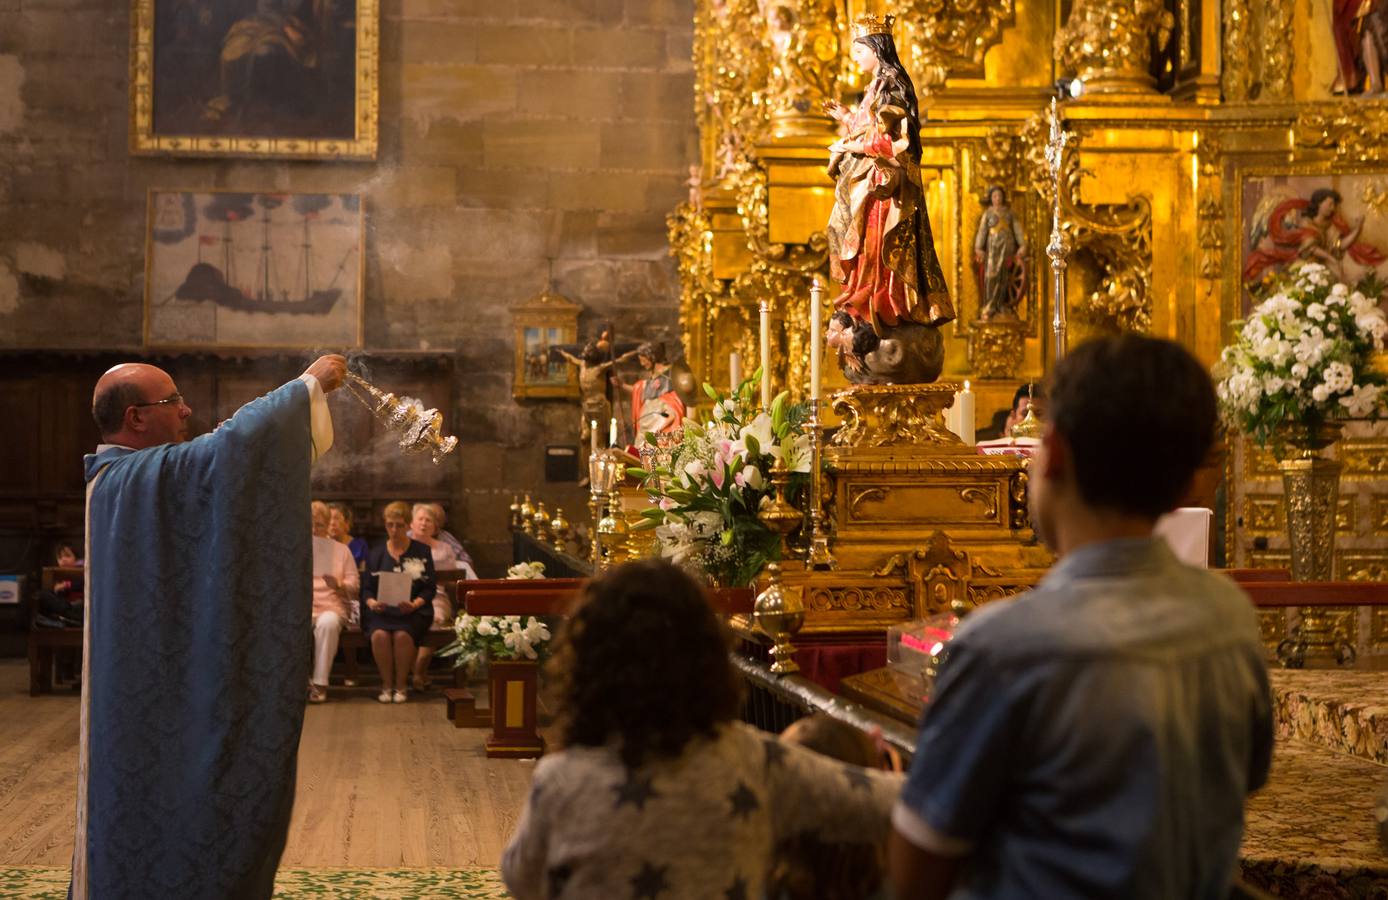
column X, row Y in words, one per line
column 1310, row 213
column 543, row 325
column 227, row 269
column 254, row 78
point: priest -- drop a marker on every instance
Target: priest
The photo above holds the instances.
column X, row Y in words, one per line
column 196, row 638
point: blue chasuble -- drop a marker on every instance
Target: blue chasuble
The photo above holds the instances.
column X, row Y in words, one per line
column 197, row 658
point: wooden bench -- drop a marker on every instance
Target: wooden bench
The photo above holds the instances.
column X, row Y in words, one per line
column 439, row 636
column 44, row 643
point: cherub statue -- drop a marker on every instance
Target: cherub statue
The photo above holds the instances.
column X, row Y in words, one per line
column 592, row 382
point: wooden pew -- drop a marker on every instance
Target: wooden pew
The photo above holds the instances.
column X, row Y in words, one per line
column 45, row 642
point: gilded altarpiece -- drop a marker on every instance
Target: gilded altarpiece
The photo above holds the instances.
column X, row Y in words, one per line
column 1188, row 108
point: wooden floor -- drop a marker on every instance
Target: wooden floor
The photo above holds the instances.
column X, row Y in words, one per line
column 379, row 786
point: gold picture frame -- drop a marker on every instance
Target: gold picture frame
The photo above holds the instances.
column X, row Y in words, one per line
column 262, row 86
column 544, row 322
column 224, row 269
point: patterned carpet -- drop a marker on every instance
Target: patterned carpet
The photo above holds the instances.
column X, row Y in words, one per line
column 1345, row 711
column 50, row 883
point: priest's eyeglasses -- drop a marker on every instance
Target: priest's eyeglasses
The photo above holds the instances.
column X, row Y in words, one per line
column 175, row 398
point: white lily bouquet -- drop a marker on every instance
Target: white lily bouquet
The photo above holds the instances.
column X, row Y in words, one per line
column 496, row 637
column 526, row 571
column 1303, row 357
column 708, row 495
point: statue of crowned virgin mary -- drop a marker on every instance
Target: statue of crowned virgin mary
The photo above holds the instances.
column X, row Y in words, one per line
column 881, row 249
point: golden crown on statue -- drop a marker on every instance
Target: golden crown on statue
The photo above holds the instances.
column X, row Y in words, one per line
column 869, row 24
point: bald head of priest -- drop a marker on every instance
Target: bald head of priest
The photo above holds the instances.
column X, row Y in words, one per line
column 138, row 405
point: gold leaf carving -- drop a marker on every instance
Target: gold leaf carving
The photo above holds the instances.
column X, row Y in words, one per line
column 1378, row 513
column 1113, row 239
column 1108, row 43
column 948, row 37
column 1258, row 56
column 1378, row 628
column 1364, row 458
column 1355, row 131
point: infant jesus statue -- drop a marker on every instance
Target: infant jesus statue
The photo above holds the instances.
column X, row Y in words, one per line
column 889, row 165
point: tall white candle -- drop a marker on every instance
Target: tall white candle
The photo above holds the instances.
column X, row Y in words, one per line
column 593, row 435
column 815, row 339
column 612, row 433
column 966, row 415
column 765, row 355
column 734, row 370
column 952, row 415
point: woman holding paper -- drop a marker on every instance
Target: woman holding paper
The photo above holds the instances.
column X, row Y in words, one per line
column 397, row 594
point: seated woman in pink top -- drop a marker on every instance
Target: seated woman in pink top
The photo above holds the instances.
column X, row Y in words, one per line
column 335, row 585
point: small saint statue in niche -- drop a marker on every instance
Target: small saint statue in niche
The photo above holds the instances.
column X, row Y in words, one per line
column 1000, row 258
column 1360, row 28
column 881, row 248
column 656, row 404
column 594, row 363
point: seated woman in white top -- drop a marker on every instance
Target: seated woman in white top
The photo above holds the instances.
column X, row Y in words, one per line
column 335, row 586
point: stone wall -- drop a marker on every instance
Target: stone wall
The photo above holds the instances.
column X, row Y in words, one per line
column 521, row 143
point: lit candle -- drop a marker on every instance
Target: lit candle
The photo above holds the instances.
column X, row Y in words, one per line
column 815, row 291
column 951, row 414
column 765, row 355
column 612, row 433
column 593, row 435
column 965, row 402
column 734, row 370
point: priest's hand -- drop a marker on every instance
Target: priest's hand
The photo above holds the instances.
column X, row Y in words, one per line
column 329, row 370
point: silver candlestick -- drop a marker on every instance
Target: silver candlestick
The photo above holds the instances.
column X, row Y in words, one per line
column 1058, row 249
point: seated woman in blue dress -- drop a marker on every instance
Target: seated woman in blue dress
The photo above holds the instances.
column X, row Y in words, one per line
column 395, row 631
column 340, row 529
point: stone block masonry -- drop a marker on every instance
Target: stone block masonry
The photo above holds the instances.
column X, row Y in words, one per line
column 520, row 143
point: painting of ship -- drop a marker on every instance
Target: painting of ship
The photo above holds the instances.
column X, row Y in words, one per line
column 265, row 293
column 228, row 263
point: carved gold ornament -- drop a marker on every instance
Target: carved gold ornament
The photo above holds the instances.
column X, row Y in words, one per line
column 1114, row 239
column 1107, row 44
column 939, row 38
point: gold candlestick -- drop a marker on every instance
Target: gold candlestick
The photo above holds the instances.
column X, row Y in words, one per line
column 420, row 429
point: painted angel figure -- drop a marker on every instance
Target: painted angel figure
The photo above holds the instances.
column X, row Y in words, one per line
column 1000, row 248
column 1289, row 230
column 881, row 248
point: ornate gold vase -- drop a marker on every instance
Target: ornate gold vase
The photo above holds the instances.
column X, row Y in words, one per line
column 1311, row 485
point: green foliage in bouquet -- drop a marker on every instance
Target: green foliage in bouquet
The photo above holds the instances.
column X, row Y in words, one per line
column 708, row 492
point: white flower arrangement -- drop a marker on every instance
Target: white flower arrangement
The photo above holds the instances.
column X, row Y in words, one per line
column 496, row 637
column 413, row 567
column 526, row 571
column 1304, row 356
column 707, row 496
